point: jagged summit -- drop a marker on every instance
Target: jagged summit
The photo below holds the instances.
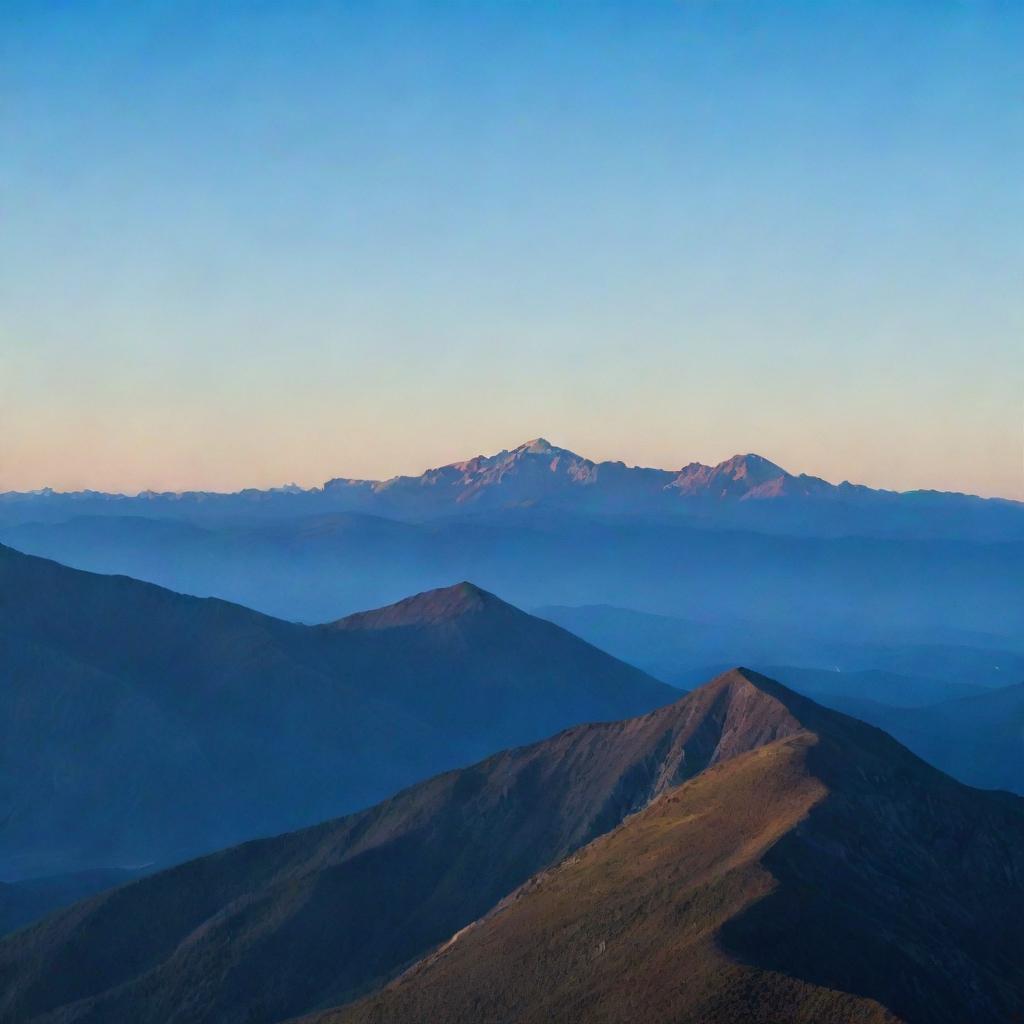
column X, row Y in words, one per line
column 542, row 446
column 538, row 472
column 427, row 608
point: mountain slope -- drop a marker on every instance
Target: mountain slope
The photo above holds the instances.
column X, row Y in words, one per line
column 23, row 902
column 625, row 929
column 277, row 927
column 140, row 725
column 740, row 848
column 828, row 876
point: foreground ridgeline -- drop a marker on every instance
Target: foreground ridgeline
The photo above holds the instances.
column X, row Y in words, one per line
column 144, row 726
column 742, row 854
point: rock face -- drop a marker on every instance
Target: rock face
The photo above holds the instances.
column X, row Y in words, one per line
column 741, row 854
column 140, row 725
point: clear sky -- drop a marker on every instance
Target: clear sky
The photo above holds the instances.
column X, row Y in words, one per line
column 252, row 243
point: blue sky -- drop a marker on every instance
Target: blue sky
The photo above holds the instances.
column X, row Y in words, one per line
column 250, row 243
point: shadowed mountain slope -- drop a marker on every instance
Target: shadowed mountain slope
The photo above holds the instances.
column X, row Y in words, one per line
column 140, row 725
column 23, row 902
column 742, row 847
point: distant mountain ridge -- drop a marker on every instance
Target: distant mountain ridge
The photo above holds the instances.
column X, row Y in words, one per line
column 979, row 739
column 740, row 854
column 536, row 473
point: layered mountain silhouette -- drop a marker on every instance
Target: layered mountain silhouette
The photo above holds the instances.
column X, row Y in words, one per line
column 139, row 725
column 803, row 591
column 741, row 854
column 908, row 670
column 979, row 739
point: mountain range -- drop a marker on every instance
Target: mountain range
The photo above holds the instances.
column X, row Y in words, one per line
column 140, row 725
column 740, row 854
column 745, row 490
column 539, row 472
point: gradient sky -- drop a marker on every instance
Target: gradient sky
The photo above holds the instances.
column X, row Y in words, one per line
column 251, row 243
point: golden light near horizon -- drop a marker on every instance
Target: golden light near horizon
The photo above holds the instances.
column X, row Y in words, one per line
column 651, row 237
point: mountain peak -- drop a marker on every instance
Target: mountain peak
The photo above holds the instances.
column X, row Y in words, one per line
column 742, row 710
column 755, row 468
column 737, row 477
column 745, row 685
column 540, row 446
column 427, row 608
